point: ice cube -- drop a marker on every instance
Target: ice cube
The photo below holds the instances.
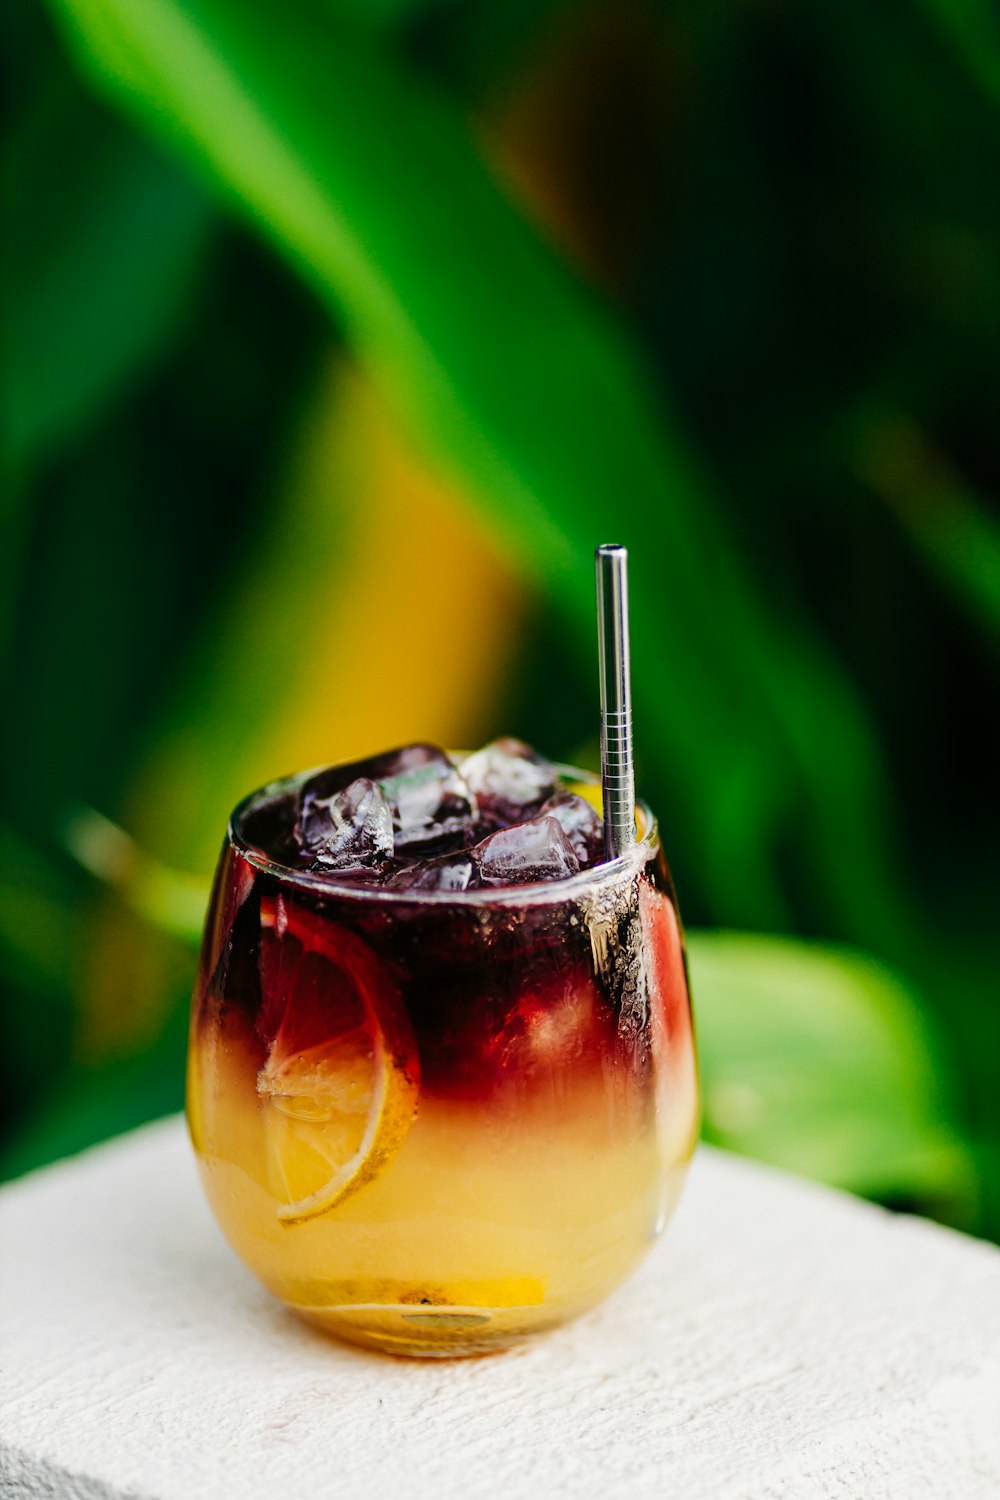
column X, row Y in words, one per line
column 535, row 850
column 581, row 824
column 432, row 806
column 349, row 830
column 509, row 781
column 448, row 872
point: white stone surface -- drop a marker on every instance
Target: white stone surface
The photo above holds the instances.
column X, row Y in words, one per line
column 781, row 1340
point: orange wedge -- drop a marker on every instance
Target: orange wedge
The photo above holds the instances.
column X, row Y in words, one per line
column 340, row 1083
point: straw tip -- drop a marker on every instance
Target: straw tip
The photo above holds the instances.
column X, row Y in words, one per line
column 611, row 549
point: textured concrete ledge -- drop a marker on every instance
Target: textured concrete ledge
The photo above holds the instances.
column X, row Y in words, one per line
column 782, row 1340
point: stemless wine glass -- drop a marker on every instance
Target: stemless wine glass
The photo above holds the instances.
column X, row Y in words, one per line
column 435, row 1122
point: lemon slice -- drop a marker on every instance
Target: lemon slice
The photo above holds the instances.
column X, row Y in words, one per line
column 339, row 1086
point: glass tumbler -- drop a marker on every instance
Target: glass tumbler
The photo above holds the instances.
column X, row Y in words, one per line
column 437, row 1123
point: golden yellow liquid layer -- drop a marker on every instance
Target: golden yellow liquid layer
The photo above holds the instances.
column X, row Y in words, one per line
column 489, row 1224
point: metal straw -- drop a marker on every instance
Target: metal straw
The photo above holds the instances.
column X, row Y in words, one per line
column 617, row 773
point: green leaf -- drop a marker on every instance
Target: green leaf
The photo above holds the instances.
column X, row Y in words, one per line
column 369, row 182
column 103, row 240
column 819, row 1060
column 80, row 1106
column 972, row 29
column 171, row 901
column 36, row 926
column 941, row 513
column 90, row 301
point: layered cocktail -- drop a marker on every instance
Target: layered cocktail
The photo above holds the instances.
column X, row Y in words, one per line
column 442, row 1082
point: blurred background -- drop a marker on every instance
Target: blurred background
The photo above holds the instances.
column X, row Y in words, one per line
column 336, row 333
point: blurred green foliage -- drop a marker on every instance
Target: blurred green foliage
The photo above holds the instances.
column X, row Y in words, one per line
column 719, row 280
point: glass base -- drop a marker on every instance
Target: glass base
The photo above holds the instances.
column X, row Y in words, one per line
column 421, row 1332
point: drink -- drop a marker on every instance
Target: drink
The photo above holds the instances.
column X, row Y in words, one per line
column 441, row 1080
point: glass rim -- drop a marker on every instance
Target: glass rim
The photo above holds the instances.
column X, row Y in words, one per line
column 534, row 893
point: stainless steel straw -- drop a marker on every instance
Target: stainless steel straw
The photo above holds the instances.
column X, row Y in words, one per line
column 617, row 772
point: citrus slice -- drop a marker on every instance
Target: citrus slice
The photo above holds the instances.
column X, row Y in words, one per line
column 339, row 1086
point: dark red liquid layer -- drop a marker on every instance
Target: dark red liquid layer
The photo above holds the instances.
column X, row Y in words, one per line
column 515, row 1010
column 511, row 995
